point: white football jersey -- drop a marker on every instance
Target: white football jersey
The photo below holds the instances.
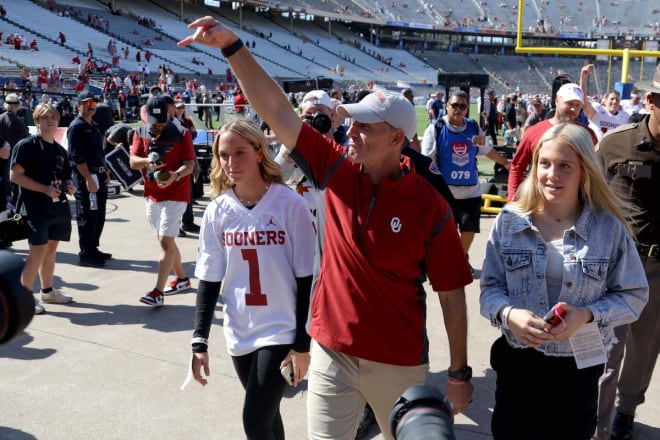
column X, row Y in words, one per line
column 257, row 254
column 604, row 121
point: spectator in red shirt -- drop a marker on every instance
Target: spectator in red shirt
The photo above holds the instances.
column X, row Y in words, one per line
column 240, row 101
column 62, row 38
column 33, row 45
column 167, row 192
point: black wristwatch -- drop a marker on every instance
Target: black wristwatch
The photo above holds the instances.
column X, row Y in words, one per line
column 463, row 375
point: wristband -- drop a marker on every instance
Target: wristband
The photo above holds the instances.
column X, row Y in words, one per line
column 198, row 347
column 232, row 48
column 455, row 382
column 504, row 317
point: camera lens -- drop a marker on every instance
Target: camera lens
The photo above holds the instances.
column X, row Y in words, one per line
column 16, row 302
column 422, row 413
column 321, row 122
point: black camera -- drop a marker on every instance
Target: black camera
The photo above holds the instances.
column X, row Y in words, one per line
column 319, row 121
column 16, row 302
column 422, row 413
column 155, row 156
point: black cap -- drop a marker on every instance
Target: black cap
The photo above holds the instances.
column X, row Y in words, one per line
column 86, row 96
column 157, row 110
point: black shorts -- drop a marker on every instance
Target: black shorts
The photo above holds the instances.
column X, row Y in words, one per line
column 467, row 213
column 56, row 227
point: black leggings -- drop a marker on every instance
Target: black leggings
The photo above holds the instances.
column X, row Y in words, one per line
column 259, row 373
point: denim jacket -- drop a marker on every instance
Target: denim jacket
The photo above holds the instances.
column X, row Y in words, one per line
column 602, row 271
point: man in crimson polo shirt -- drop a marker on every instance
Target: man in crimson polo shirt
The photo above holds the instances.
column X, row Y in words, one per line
column 386, row 230
column 166, row 189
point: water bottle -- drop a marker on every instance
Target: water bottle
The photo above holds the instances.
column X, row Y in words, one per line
column 57, row 184
column 93, row 203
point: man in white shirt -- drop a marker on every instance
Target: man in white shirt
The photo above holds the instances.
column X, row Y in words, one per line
column 607, row 116
column 634, row 104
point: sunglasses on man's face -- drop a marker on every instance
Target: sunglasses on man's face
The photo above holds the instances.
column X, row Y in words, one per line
column 89, row 104
column 456, row 105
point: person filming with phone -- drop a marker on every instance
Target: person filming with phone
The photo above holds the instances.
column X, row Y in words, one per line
column 564, row 242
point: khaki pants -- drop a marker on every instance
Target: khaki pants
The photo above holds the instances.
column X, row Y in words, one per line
column 339, row 386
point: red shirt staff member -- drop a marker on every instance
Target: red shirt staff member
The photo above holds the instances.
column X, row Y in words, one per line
column 368, row 312
column 166, row 189
column 569, row 101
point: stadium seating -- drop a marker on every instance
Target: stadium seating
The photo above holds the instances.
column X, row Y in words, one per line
column 291, row 44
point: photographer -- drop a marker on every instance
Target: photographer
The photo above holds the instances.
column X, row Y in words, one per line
column 316, row 110
column 40, row 167
column 164, row 152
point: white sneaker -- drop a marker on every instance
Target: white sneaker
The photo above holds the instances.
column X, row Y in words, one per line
column 38, row 308
column 177, row 286
column 55, row 297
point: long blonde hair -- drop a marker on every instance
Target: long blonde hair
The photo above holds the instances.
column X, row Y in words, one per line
column 594, row 190
column 269, row 170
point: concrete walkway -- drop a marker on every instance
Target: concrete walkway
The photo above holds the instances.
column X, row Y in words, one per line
column 109, row 367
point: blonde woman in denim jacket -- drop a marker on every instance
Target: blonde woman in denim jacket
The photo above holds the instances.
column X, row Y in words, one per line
column 564, row 241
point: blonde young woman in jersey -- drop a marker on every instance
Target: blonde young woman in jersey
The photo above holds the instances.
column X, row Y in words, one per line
column 256, row 245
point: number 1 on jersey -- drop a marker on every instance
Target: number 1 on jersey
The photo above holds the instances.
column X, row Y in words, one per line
column 254, row 297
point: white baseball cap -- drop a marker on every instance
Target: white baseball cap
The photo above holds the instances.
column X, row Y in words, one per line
column 316, row 97
column 571, row 92
column 383, row 106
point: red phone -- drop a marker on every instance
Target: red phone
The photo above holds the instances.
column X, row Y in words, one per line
column 555, row 315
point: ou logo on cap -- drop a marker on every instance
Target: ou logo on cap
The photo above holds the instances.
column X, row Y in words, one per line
column 395, row 224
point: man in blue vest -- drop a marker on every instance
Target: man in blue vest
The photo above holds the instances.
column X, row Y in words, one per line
column 454, row 142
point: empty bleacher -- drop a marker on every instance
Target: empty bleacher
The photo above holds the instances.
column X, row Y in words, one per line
column 293, row 45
